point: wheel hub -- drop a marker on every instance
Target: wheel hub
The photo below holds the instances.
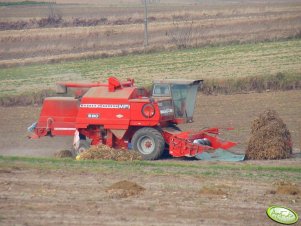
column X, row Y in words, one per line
column 146, row 145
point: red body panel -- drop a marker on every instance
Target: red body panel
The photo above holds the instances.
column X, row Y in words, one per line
column 58, row 115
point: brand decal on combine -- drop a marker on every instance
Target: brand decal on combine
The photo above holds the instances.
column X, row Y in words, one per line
column 106, row 106
column 119, row 116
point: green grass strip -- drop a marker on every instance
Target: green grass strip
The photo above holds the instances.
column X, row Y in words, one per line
column 38, row 161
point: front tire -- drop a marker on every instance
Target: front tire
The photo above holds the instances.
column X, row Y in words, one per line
column 149, row 142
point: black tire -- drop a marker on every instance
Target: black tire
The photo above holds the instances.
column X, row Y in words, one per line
column 149, row 142
column 175, row 127
column 84, row 145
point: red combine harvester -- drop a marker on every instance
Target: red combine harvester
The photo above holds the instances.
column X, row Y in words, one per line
column 121, row 115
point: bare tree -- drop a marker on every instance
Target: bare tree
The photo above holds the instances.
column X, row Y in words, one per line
column 181, row 32
column 150, row 1
column 54, row 16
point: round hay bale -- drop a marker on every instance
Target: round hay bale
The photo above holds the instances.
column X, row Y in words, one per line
column 270, row 138
column 63, row 154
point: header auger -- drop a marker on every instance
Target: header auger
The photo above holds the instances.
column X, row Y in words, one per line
column 121, row 115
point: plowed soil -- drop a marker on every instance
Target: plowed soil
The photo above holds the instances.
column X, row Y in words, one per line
column 107, row 194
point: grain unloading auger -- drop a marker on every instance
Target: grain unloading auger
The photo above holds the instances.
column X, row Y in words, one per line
column 121, row 115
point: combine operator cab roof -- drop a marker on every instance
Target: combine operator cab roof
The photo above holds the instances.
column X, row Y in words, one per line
column 179, row 81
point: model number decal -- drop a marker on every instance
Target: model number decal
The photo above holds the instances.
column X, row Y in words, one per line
column 106, row 106
column 166, row 111
column 93, row 115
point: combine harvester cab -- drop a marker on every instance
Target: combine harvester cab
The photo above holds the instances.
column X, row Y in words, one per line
column 120, row 115
column 183, row 95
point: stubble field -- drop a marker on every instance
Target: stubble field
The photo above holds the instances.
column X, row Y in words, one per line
column 52, row 192
column 71, row 30
column 261, row 60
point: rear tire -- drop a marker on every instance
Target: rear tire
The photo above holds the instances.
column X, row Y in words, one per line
column 175, row 127
column 149, row 142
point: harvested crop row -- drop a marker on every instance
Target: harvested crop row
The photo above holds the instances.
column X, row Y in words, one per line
column 105, row 152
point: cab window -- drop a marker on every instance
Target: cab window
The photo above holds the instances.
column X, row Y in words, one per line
column 161, row 90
